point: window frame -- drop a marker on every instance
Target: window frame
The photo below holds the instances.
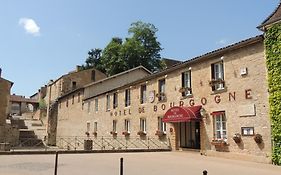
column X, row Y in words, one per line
column 143, row 92
column 127, row 125
column 217, row 75
column 143, row 125
column 115, row 100
column 221, row 121
column 127, row 97
column 107, row 105
column 161, row 89
column 186, row 83
column 96, row 104
column 162, row 126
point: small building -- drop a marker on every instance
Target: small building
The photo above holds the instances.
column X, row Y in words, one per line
column 8, row 134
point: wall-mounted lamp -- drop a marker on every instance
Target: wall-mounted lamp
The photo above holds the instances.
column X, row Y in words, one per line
column 203, row 112
column 222, row 57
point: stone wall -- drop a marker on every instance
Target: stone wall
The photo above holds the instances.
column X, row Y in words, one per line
column 244, row 100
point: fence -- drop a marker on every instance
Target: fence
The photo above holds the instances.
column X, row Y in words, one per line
column 113, row 143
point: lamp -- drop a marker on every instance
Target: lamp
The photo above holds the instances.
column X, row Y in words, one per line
column 203, row 112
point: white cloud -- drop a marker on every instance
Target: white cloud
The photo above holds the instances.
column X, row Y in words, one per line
column 30, row 26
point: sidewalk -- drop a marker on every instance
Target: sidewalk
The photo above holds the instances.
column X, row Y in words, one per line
column 153, row 163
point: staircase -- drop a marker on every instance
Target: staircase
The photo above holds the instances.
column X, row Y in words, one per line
column 31, row 131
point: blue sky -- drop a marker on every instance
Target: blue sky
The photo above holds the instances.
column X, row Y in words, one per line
column 41, row 40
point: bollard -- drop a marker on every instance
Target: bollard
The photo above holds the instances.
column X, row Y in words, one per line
column 205, row 172
column 56, row 163
column 121, row 166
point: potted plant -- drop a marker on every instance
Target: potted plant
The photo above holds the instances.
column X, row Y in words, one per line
column 126, row 133
column 114, row 133
column 219, row 142
column 258, row 138
column 184, row 89
column 141, row 133
column 213, row 82
column 237, row 138
column 95, row 133
column 160, row 133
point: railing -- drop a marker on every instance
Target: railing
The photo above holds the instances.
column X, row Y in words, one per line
column 113, row 143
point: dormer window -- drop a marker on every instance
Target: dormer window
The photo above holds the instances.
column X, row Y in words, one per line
column 74, row 85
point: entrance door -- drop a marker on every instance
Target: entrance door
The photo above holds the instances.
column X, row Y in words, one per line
column 190, row 135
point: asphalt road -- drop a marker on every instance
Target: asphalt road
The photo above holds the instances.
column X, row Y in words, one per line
column 162, row 163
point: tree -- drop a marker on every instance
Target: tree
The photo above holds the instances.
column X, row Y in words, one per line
column 111, row 59
column 142, row 48
column 94, row 60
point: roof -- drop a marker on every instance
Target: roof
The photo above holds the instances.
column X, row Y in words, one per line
column 272, row 18
column 19, row 98
column 119, row 74
column 170, row 62
column 70, row 73
column 12, row 83
column 218, row 52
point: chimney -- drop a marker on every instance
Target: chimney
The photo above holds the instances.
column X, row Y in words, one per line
column 78, row 68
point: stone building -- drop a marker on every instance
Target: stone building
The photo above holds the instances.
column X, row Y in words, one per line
column 20, row 104
column 68, row 83
column 216, row 103
column 8, row 134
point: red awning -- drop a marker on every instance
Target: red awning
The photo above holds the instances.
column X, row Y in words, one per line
column 182, row 114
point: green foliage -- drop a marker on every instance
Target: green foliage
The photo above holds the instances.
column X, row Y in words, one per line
column 273, row 60
column 42, row 104
column 112, row 60
column 141, row 48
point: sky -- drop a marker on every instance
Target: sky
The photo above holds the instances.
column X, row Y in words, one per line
column 42, row 40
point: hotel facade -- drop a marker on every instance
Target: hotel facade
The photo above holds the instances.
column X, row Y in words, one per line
column 216, row 103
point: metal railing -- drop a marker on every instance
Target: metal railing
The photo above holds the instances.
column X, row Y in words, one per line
column 113, row 143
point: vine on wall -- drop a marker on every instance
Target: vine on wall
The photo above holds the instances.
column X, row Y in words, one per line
column 273, row 60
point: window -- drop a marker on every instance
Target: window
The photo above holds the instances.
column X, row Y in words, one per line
column 217, row 81
column 96, row 104
column 73, row 99
column 95, row 126
column 161, row 90
column 219, row 126
column 143, row 94
column 88, row 126
column 74, row 85
column 161, row 125
column 89, row 107
column 127, row 97
column 127, row 125
column 114, row 125
column 107, row 102
column 78, row 100
column 115, row 100
column 186, row 83
column 93, row 75
column 143, row 125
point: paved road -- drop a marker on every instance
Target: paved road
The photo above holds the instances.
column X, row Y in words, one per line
column 167, row 163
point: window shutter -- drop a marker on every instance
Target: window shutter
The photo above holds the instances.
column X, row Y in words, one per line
column 182, row 83
column 213, row 75
column 190, row 78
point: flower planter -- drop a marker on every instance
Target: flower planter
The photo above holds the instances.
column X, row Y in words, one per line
column 237, row 138
column 258, row 138
column 213, row 82
column 219, row 143
column 142, row 133
column 126, row 133
column 114, row 133
column 160, row 133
